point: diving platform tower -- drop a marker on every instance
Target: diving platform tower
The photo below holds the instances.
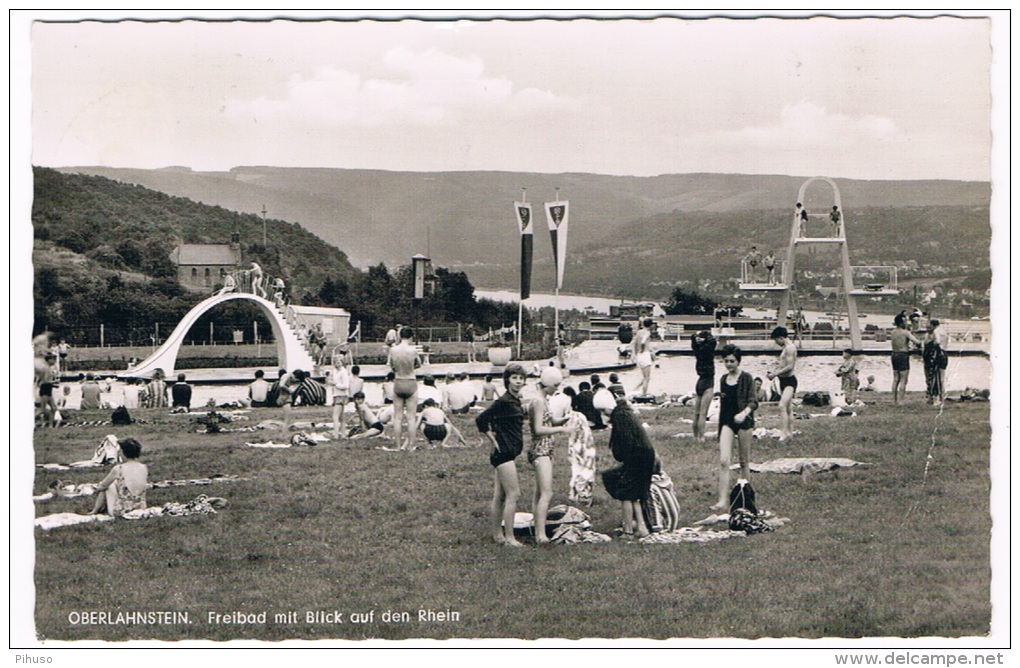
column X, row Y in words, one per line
column 876, row 281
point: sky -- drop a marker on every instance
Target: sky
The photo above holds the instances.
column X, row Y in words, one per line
column 865, row 98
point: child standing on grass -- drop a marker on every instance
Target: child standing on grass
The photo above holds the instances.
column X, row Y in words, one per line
column 848, row 372
column 543, row 427
column 736, row 420
column 503, row 424
column 339, row 379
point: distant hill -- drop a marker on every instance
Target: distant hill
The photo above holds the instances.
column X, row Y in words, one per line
column 671, row 227
column 133, row 228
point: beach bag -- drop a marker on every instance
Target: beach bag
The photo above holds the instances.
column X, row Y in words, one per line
column 742, row 497
column 662, row 512
column 121, row 416
column 744, row 510
column 816, row 399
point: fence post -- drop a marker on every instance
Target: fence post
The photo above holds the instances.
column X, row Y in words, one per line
column 101, row 335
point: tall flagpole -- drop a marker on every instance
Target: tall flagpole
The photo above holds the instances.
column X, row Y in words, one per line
column 556, row 305
column 520, row 300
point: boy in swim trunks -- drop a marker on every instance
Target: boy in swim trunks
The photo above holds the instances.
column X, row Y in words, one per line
column 372, row 424
column 643, row 354
column 503, row 424
column 404, row 360
column 752, row 259
column 770, row 266
column 435, row 426
column 835, row 216
column 787, row 381
column 900, row 340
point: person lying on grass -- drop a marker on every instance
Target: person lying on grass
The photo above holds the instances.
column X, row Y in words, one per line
column 124, row 488
column 435, row 426
column 503, row 424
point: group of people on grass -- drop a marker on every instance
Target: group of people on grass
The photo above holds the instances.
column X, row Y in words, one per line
column 933, row 345
column 502, row 423
column 739, row 397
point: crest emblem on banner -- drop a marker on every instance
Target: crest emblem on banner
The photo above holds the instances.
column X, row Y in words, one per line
column 558, row 215
column 524, row 216
column 524, row 221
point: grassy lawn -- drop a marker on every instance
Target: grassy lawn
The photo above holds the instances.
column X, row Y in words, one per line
column 877, row 551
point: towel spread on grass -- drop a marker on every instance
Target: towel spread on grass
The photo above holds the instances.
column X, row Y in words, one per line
column 200, row 505
column 699, row 534
column 108, row 452
column 568, row 526
column 69, row 490
column 688, row 535
column 803, row 465
column 298, row 439
column 581, row 448
column 766, row 516
column 216, row 477
column 100, row 423
column 572, row 534
column 762, row 432
column 274, row 425
column 230, row 430
column 48, row 522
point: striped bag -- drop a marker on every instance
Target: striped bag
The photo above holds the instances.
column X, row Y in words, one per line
column 662, row 512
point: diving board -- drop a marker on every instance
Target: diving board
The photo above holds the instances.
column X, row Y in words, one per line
column 874, row 281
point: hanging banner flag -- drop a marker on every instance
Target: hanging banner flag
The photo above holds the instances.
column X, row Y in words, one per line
column 558, row 215
column 523, row 210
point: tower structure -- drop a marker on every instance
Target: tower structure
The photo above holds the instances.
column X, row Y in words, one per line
column 805, row 229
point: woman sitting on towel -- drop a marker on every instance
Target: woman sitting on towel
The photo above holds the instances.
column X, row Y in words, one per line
column 629, row 482
column 124, row 488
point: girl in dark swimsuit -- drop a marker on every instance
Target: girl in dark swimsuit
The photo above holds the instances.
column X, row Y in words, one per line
column 736, row 420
